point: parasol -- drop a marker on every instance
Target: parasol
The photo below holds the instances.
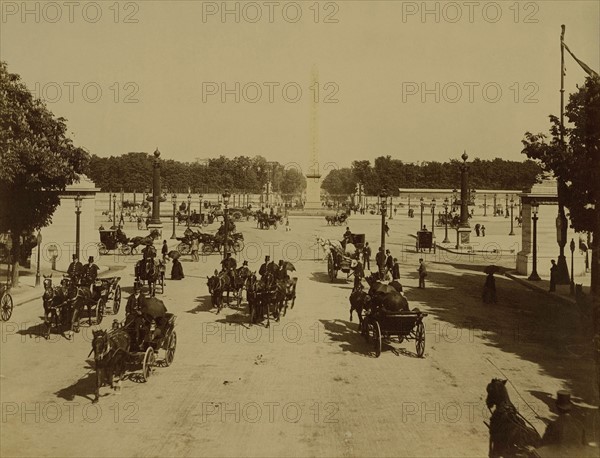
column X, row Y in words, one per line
column 154, row 307
column 174, row 254
column 491, row 269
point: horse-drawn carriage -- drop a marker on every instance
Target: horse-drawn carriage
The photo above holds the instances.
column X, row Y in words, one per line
column 214, row 243
column 114, row 239
column 114, row 350
column 265, row 221
column 337, row 219
column 269, row 297
column 340, row 258
column 380, row 326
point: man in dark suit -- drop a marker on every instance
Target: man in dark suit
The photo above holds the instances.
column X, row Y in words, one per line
column 565, row 430
column 380, row 260
column 263, row 268
column 89, row 273
column 134, row 312
column 389, row 261
column 396, row 270
column 75, row 269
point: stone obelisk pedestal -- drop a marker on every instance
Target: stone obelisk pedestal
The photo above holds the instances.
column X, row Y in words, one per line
column 313, row 193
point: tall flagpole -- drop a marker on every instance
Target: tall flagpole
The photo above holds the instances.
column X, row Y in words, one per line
column 561, row 220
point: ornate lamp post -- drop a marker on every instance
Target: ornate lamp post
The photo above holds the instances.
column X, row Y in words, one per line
column 109, row 201
column 506, row 206
column 571, row 247
column 200, row 196
column 189, row 209
column 485, row 205
column 512, row 206
column 409, row 207
column 495, row 205
column 39, row 245
column 391, row 206
column 174, row 200
column 534, row 210
column 383, row 205
column 464, row 190
column 446, row 240
column 433, row 218
column 78, row 222
column 226, row 196
column 422, row 201
column 114, row 209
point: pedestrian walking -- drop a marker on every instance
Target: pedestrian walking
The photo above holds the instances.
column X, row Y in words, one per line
column 482, row 230
column 477, row 229
column 164, row 250
column 367, row 256
column 387, row 229
column 422, row 273
column 389, row 262
column 195, row 248
column 287, row 225
column 553, row 274
column 380, row 261
column 396, row 270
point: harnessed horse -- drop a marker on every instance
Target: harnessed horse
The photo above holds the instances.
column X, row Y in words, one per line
column 510, row 433
column 111, row 351
column 55, row 304
column 147, row 269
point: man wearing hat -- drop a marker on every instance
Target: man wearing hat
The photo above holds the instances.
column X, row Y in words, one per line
column 89, row 272
column 229, row 265
column 263, row 268
column 149, row 251
column 565, row 430
column 244, row 271
column 134, row 311
column 74, row 270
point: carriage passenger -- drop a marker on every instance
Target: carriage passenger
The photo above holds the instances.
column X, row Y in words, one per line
column 89, row 273
column 263, row 268
column 229, row 265
column 149, row 252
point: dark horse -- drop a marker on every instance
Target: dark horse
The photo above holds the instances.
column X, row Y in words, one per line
column 148, row 270
column 56, row 308
column 219, row 283
column 79, row 297
column 111, row 351
column 511, row 434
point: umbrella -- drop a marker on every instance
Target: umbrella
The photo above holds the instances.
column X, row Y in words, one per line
column 174, row 254
column 288, row 266
column 381, row 288
column 154, row 307
column 491, row 269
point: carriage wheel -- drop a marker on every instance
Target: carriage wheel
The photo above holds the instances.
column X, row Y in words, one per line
column 207, row 248
column 420, row 339
column 149, row 362
column 183, row 248
column 125, row 250
column 238, row 246
column 7, row 307
column 377, row 338
column 102, row 249
column 117, row 300
column 100, row 310
column 170, row 354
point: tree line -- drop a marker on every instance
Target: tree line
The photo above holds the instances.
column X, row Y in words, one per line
column 394, row 173
column 133, row 172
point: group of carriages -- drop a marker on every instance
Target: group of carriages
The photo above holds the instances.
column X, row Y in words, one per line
column 210, row 243
column 268, row 294
column 338, row 219
column 267, row 220
column 114, row 239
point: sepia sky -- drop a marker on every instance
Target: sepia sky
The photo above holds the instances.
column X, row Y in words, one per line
column 133, row 76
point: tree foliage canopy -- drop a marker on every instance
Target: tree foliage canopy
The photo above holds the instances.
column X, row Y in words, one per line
column 394, row 173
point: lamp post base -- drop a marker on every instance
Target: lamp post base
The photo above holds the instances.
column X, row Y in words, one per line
column 534, row 277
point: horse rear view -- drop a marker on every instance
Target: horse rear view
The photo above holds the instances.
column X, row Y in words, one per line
column 511, row 435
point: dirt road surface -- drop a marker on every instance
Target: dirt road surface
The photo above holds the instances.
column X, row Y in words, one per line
column 309, row 385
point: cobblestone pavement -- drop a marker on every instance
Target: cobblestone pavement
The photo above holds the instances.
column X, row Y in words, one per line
column 309, row 385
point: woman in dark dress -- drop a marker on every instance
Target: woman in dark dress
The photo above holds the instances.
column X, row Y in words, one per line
column 176, row 270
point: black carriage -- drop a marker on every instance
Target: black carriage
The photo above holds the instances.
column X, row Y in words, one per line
column 381, row 326
column 425, row 241
column 160, row 335
column 358, row 240
column 212, row 244
column 114, row 239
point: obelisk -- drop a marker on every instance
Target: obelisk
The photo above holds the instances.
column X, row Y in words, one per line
column 313, row 175
column 155, row 222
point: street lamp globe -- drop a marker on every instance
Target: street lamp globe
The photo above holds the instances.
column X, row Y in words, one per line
column 78, row 202
column 445, row 203
column 174, row 197
column 534, row 208
column 226, row 195
column 383, row 195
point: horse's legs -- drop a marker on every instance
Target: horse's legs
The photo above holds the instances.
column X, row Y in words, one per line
column 98, row 385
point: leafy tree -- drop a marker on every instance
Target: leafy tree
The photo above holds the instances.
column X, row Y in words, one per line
column 577, row 164
column 37, row 162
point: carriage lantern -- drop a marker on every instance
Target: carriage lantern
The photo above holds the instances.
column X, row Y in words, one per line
column 446, row 240
column 174, row 200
